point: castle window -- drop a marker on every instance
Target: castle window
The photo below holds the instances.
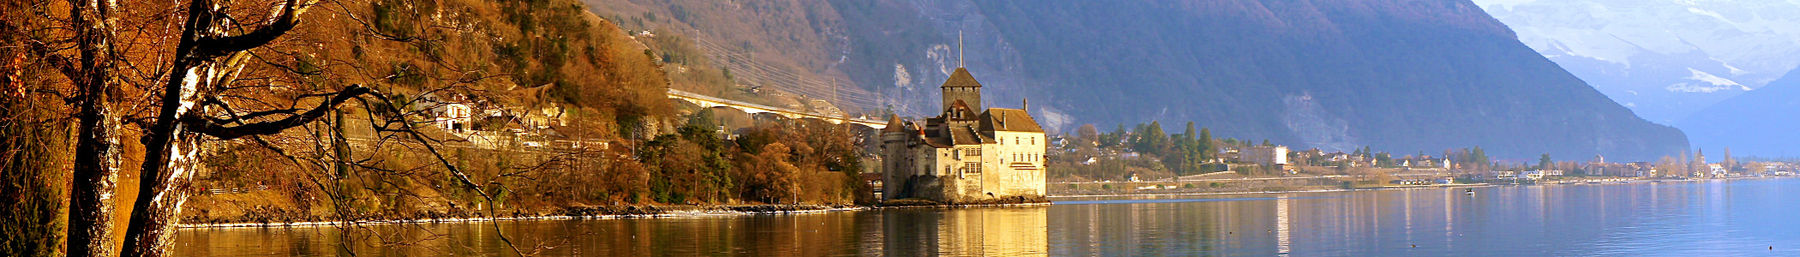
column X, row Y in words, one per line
column 972, row 167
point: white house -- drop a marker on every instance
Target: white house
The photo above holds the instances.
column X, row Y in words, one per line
column 1264, row 155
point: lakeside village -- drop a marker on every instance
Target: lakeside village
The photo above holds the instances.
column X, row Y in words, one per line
column 1244, row 167
column 963, row 156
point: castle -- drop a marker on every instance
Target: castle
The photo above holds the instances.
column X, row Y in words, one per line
column 964, row 156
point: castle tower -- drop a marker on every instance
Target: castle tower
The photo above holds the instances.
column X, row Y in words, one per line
column 1700, row 157
column 962, row 86
column 894, row 157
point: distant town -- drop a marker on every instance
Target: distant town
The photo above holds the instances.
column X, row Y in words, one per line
column 1133, row 162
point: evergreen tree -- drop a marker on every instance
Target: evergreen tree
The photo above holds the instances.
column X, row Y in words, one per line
column 1205, row 144
column 1188, row 134
column 1188, row 148
column 1478, row 156
column 1544, row 162
column 1728, row 162
column 1113, row 139
column 1152, row 140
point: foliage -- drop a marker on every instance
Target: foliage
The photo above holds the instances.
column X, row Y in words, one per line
column 1544, row 162
column 33, row 181
column 779, row 162
column 1157, row 155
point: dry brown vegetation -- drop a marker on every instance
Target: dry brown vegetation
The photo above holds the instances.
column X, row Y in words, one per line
column 368, row 151
column 788, row 50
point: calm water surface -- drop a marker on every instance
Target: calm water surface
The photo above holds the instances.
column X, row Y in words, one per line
column 1705, row 218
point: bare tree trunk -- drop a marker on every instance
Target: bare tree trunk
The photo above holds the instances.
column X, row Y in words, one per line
column 96, row 148
column 151, row 231
column 206, row 58
column 170, row 155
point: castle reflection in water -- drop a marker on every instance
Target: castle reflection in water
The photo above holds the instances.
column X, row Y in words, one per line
column 1009, row 231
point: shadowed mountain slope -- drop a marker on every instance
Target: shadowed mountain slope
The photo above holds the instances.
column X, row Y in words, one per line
column 1398, row 75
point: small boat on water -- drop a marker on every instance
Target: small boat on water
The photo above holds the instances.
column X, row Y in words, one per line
column 1469, row 191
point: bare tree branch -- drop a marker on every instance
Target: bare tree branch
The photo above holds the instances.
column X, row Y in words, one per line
column 39, row 49
column 461, row 177
column 209, row 47
column 206, row 126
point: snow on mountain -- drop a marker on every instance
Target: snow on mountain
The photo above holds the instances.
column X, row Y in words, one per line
column 1664, row 58
column 1757, row 123
column 1713, row 83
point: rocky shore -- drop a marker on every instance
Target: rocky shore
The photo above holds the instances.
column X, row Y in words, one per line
column 272, row 217
column 282, row 218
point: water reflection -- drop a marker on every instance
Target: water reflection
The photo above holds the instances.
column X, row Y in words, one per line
column 1281, row 225
column 1670, row 218
column 1014, row 231
column 990, row 232
column 1679, row 218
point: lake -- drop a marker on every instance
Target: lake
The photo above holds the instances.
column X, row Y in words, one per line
column 1685, row 218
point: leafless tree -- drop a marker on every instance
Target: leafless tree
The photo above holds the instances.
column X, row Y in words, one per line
column 182, row 101
column 90, row 71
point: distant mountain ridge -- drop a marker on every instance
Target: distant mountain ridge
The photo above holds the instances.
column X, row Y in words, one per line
column 1664, row 59
column 1757, row 123
column 1397, row 75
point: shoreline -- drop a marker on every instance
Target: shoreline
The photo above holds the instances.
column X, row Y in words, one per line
column 695, row 212
column 1464, row 185
column 749, row 210
column 1282, row 191
column 713, row 211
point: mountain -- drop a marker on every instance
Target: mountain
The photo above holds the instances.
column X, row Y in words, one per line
column 1663, row 59
column 1397, row 75
column 1756, row 123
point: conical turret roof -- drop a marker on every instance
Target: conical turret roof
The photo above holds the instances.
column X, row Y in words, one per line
column 894, row 124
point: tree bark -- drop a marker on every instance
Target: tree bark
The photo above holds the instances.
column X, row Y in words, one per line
column 96, row 147
column 205, row 58
column 170, row 154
